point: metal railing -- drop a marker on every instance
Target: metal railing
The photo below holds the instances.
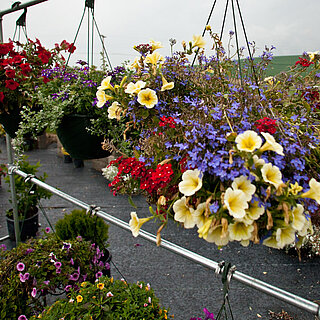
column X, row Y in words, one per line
column 259, row 285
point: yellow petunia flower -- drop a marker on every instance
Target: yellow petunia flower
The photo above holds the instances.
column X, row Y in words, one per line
column 191, row 182
column 285, row 236
column 269, row 80
column 114, row 111
column 166, row 85
column 100, row 285
column 135, row 223
column 79, row 298
column 248, row 141
column 312, row 55
column 133, row 88
column 271, row 174
column 135, row 64
column 148, row 98
column 183, row 213
column 236, row 203
column 314, row 192
column 105, row 84
column 298, row 218
column 214, row 234
column 244, row 184
column 255, row 211
column 198, row 41
column 199, row 216
column 154, row 58
column 155, row 45
column 271, row 144
column 240, row 231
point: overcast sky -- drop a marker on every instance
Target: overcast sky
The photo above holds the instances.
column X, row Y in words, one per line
column 292, row 26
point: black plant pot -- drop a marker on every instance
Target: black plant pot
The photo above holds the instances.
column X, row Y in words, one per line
column 10, row 122
column 28, row 227
column 77, row 141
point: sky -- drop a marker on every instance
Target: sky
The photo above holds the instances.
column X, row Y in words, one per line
column 289, row 25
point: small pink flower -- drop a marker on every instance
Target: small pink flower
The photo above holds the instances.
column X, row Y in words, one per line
column 57, row 264
column 20, row 266
column 149, row 299
column 22, row 317
column 145, row 305
column 47, row 229
column 109, row 294
column 33, row 292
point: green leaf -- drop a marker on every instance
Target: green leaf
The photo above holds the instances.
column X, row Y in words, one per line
column 131, row 202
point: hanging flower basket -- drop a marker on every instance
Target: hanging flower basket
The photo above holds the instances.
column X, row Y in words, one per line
column 10, row 121
column 77, row 141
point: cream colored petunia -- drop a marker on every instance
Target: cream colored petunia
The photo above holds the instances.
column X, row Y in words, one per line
column 191, row 182
column 183, row 213
column 307, row 228
column 133, row 88
column 135, row 65
column 271, row 174
column 154, row 58
column 240, row 231
column 236, row 203
column 155, row 45
column 147, row 97
column 271, row 144
column 102, row 98
column 244, row 184
column 298, row 218
column 255, row 211
column 314, row 191
column 199, row 216
column 285, row 236
column 218, row 236
column 105, row 84
column 258, row 162
column 198, row 41
column 135, row 223
column 248, row 141
column 271, row 242
column 166, row 85
column 114, row 110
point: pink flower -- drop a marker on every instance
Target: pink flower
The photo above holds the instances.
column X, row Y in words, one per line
column 109, row 294
column 34, row 292
column 22, row 317
column 20, row 266
column 145, row 305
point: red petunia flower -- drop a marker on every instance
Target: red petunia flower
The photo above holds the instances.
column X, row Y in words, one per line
column 10, row 73
column 25, row 67
column 11, row 84
column 5, row 48
column 303, row 62
column 44, row 56
column 1, row 96
column 266, row 125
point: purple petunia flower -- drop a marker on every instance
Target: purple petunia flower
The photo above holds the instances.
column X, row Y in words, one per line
column 29, row 251
column 68, row 287
column 22, row 317
column 24, row 277
column 208, row 314
column 3, row 247
column 58, row 270
column 20, row 266
column 57, row 264
column 99, row 274
column 66, row 245
column 47, row 230
column 74, row 276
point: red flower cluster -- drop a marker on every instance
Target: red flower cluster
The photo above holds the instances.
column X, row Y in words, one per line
column 266, row 125
column 303, row 62
column 149, row 179
column 167, row 121
column 313, row 97
column 23, row 69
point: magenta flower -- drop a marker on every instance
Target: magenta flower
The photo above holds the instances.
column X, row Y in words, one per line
column 22, row 317
column 24, row 277
column 3, row 247
column 71, row 262
column 47, row 230
column 79, row 238
column 33, row 292
column 29, row 250
column 66, row 245
column 46, row 282
column 58, row 270
column 57, row 264
column 74, row 276
column 68, row 287
column 209, row 316
column 20, row 266
column 99, row 274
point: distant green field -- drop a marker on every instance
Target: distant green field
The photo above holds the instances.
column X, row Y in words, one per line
column 281, row 63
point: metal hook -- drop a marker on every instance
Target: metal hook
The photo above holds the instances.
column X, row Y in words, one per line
column 230, row 274
column 29, row 177
column 220, row 267
column 12, row 169
column 93, row 209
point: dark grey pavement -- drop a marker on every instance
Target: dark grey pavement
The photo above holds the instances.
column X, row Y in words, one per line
column 183, row 286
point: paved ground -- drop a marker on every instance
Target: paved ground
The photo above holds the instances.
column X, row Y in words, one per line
column 183, row 286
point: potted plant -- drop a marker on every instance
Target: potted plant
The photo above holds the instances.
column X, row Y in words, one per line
column 108, row 299
column 209, row 134
column 20, row 75
column 44, row 267
column 28, row 197
column 69, row 108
